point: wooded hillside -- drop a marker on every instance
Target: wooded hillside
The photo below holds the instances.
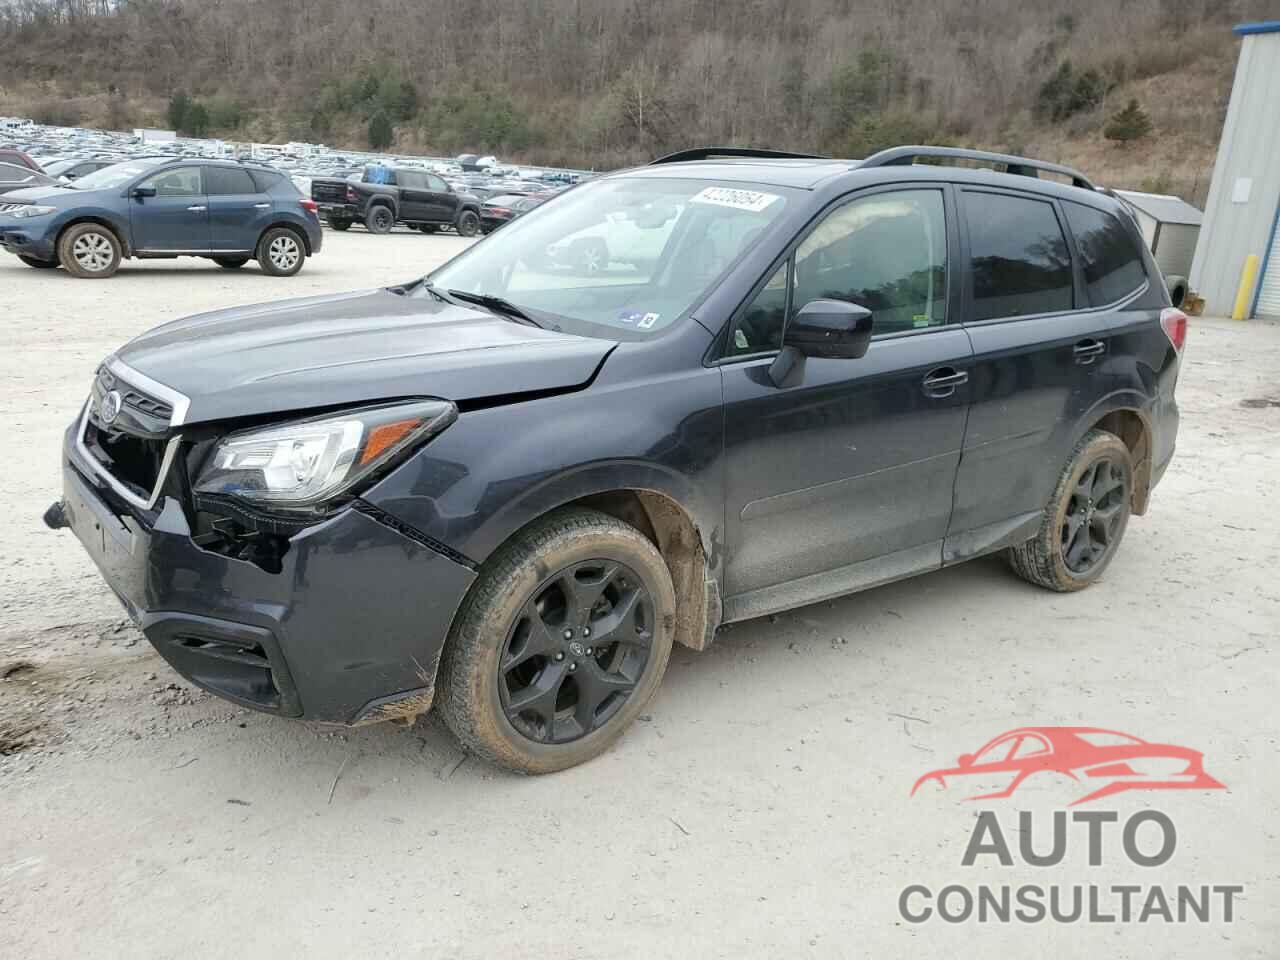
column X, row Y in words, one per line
column 600, row 83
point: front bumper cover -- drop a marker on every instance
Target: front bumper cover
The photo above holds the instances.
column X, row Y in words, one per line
column 349, row 631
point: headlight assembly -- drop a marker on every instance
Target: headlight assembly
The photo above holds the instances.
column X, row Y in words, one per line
column 304, row 465
column 31, row 210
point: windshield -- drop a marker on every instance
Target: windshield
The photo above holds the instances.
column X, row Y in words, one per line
column 116, row 175
column 622, row 258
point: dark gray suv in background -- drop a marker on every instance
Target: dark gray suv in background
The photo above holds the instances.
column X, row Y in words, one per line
column 509, row 487
column 162, row 208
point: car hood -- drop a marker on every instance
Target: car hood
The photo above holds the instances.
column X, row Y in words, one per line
column 352, row 348
column 43, row 194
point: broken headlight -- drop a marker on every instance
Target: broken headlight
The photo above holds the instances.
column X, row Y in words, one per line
column 304, row 465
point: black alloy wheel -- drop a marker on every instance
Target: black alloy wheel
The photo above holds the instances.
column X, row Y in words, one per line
column 1093, row 514
column 576, row 651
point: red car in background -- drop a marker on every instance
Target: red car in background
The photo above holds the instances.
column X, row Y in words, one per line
column 17, row 157
column 1089, row 755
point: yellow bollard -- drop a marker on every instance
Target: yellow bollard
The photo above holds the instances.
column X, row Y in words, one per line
column 1245, row 293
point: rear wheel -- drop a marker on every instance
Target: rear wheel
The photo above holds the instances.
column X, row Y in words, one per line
column 340, row 225
column 468, row 223
column 89, row 251
column 231, row 263
column 280, row 252
column 1084, row 520
column 380, row 219
column 38, row 264
column 560, row 644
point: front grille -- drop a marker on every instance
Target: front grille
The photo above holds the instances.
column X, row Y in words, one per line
column 131, row 396
column 329, row 192
column 134, row 461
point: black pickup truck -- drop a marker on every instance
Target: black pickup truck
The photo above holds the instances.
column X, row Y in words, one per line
column 401, row 195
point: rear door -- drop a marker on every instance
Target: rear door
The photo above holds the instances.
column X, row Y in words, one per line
column 443, row 201
column 848, row 470
column 176, row 219
column 238, row 210
column 1040, row 353
column 415, row 199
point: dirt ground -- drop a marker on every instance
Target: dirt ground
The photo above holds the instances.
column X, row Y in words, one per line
column 761, row 807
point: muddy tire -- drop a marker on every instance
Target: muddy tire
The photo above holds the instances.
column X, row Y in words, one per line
column 281, row 252
column 231, row 263
column 559, row 645
column 379, row 219
column 468, row 224
column 340, row 225
column 89, row 251
column 1084, row 520
column 37, row 263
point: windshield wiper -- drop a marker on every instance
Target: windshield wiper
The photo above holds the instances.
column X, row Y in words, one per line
column 496, row 305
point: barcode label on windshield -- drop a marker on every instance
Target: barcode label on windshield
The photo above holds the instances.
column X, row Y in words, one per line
column 738, row 199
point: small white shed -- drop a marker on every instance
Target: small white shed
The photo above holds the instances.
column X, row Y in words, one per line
column 1170, row 226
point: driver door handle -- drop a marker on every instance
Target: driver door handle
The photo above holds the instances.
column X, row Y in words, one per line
column 197, row 208
column 942, row 382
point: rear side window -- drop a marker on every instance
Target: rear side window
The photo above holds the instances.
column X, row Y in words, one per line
column 1019, row 255
column 1112, row 264
column 268, row 180
column 224, row 181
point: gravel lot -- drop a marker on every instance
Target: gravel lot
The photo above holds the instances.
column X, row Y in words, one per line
column 761, row 809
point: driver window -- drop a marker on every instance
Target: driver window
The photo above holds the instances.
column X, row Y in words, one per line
column 183, row 182
column 885, row 252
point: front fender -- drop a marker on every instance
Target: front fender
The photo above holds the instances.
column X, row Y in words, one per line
column 113, row 218
column 496, row 469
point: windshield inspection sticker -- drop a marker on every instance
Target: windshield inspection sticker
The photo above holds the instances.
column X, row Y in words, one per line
column 737, row 199
column 647, row 321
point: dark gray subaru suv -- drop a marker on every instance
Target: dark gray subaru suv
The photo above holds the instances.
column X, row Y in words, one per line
column 509, row 487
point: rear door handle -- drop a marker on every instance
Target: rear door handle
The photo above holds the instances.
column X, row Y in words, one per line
column 197, row 208
column 262, row 206
column 1087, row 351
column 943, row 381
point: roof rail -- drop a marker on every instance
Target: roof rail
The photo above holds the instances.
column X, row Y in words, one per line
column 712, row 153
column 1020, row 166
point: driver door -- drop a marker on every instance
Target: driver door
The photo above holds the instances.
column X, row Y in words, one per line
column 176, row 219
column 845, row 475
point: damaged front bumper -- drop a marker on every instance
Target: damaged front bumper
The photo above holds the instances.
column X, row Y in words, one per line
column 349, row 630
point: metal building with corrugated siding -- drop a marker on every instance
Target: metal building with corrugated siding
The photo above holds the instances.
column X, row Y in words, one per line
column 1240, row 219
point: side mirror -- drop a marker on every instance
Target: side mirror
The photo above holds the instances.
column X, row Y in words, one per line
column 833, row 329
column 966, row 760
column 140, row 193
column 830, row 328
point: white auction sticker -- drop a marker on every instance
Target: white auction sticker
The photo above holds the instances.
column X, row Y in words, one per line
column 738, row 199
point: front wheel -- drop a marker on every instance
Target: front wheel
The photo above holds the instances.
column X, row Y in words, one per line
column 89, row 251
column 1084, row 520
column 468, row 223
column 280, row 252
column 37, row 263
column 562, row 641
